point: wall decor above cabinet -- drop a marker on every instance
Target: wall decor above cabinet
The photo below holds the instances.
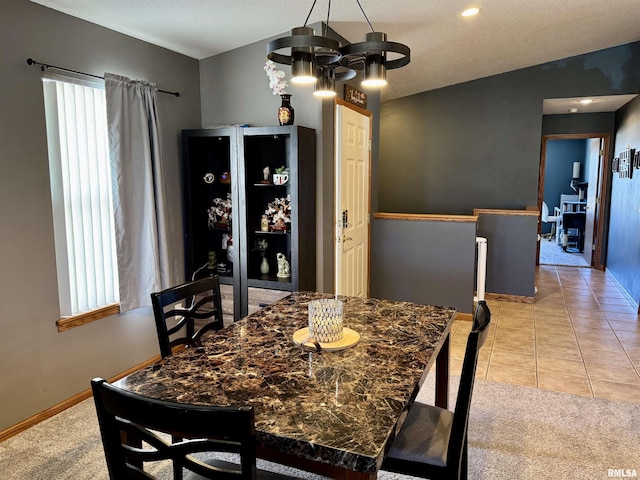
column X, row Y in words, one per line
column 245, row 222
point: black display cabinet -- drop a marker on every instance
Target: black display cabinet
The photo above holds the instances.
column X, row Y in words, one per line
column 240, row 166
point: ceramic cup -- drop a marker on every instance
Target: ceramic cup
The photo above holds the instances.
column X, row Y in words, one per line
column 280, row 178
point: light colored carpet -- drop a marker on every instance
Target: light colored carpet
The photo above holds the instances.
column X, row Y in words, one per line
column 552, row 254
column 514, row 433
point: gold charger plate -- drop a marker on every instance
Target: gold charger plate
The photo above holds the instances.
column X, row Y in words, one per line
column 349, row 339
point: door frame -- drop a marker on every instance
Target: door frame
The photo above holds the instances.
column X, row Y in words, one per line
column 336, row 219
column 598, row 259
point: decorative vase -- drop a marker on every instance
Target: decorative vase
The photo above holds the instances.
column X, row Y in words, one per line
column 285, row 112
column 264, row 266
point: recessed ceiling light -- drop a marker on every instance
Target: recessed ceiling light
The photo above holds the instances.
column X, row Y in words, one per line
column 573, row 110
column 586, row 101
column 470, row 12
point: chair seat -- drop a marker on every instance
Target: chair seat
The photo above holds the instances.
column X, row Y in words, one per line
column 262, row 474
column 424, row 437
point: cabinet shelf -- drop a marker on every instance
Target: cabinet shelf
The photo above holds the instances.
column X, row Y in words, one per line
column 273, row 232
column 273, row 185
column 272, row 282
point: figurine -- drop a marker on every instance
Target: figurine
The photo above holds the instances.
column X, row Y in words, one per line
column 284, row 271
column 211, row 263
column 265, row 174
column 230, row 250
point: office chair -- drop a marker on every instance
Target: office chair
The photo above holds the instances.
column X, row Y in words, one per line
column 552, row 219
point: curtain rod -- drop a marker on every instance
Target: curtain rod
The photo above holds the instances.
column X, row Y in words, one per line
column 31, row 61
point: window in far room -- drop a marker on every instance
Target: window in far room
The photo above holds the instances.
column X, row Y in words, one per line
column 80, row 176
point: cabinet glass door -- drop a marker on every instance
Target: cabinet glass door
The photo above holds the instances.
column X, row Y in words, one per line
column 208, row 208
column 269, row 223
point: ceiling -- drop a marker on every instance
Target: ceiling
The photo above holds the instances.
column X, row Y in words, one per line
column 446, row 48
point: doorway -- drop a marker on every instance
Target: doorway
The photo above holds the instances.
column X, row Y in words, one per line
column 588, row 203
column 353, row 201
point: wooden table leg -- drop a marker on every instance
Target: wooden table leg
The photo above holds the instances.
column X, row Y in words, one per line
column 442, row 375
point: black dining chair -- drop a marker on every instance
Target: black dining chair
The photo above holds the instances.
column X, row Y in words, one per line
column 432, row 442
column 201, row 301
column 130, row 426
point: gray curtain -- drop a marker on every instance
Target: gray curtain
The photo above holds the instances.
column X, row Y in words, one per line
column 140, row 211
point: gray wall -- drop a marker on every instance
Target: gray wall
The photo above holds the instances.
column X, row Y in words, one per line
column 40, row 367
column 603, row 122
column 477, row 144
column 623, row 256
column 511, row 252
column 235, row 90
column 424, row 261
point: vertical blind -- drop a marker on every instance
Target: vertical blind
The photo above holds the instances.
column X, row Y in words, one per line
column 81, row 194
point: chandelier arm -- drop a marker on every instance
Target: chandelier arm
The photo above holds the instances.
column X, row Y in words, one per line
column 309, row 14
column 326, row 25
column 345, row 75
column 353, row 54
column 365, row 16
column 294, row 41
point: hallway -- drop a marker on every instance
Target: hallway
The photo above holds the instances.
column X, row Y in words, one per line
column 581, row 335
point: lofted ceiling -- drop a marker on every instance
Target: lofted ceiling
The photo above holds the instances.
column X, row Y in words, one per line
column 446, row 48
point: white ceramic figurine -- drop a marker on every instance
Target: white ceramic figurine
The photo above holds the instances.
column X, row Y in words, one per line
column 284, row 270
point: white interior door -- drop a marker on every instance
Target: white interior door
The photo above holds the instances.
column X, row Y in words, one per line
column 595, row 150
column 353, row 151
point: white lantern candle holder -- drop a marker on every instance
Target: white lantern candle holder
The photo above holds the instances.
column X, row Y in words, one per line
column 325, row 320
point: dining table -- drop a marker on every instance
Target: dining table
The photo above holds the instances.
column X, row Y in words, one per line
column 334, row 412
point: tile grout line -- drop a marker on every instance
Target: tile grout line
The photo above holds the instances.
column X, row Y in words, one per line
column 633, row 366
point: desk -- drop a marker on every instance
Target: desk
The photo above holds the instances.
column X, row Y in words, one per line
column 573, row 221
column 333, row 413
column 573, row 206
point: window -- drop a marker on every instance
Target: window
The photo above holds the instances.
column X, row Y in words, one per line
column 81, row 195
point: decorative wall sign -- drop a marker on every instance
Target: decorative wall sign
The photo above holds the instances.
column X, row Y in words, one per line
column 615, row 165
column 625, row 163
column 354, row 96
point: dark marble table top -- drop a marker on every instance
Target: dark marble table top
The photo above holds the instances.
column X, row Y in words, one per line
column 341, row 407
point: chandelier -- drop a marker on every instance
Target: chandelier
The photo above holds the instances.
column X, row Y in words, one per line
column 322, row 60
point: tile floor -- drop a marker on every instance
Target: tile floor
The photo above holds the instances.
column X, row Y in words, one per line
column 581, row 335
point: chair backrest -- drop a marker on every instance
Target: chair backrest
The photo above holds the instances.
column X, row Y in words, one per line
column 126, row 419
column 200, row 302
column 545, row 212
column 477, row 337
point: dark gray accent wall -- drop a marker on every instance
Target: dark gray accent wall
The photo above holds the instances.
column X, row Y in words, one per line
column 477, row 144
column 40, row 367
column 424, row 261
column 623, row 253
column 235, row 90
column 603, row 122
column 511, row 253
